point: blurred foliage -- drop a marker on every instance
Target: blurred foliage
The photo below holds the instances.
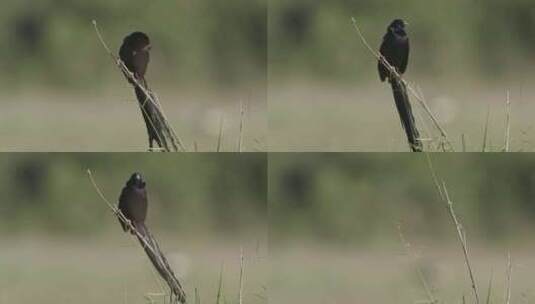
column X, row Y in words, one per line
column 316, row 39
column 345, row 198
column 52, row 42
column 188, row 193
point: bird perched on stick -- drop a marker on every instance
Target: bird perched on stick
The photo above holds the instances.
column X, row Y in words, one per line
column 133, row 204
column 395, row 51
column 134, row 52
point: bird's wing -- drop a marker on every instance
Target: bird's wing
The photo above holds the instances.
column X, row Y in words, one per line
column 141, row 214
column 383, row 71
column 404, row 57
column 126, row 56
column 141, row 61
column 123, row 201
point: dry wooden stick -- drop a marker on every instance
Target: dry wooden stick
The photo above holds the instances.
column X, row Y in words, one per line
column 507, row 138
column 242, row 125
column 509, row 275
column 220, row 137
column 242, row 276
column 462, row 238
column 443, row 191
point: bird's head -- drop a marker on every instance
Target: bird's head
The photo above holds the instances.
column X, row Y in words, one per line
column 398, row 26
column 136, row 181
column 138, row 40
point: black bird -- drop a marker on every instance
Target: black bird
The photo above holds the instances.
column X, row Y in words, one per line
column 133, row 203
column 134, row 52
column 395, row 50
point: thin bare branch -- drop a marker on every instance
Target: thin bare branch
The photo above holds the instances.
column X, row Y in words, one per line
column 243, row 107
column 509, row 278
column 462, row 238
column 242, row 276
column 486, row 131
column 507, row 138
column 220, row 136
column 489, row 290
column 443, row 191
column 220, row 287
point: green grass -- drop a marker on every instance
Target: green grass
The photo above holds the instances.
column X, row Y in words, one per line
column 112, row 121
column 117, row 271
column 316, row 117
column 316, row 273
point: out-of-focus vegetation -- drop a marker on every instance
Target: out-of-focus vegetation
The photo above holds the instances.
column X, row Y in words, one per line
column 341, row 118
column 53, row 43
column 325, row 93
column 50, row 194
column 482, row 39
column 62, row 92
column 60, row 238
column 334, row 221
column 357, row 200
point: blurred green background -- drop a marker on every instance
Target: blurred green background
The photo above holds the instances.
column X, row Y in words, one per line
column 199, row 43
column 51, row 193
column 325, row 93
column 358, row 199
column 334, row 227
column 483, row 39
column 63, row 241
column 62, row 92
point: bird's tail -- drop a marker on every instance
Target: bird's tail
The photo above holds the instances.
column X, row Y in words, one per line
column 155, row 119
column 159, row 261
column 405, row 114
column 152, row 117
column 166, row 130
